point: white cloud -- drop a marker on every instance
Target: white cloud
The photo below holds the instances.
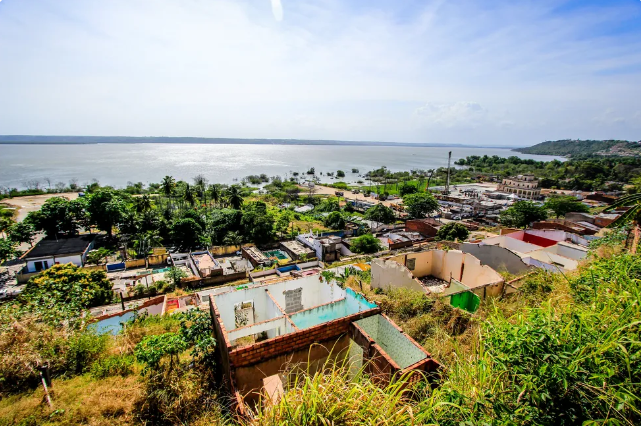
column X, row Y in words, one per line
column 459, row 114
column 331, row 70
column 277, row 10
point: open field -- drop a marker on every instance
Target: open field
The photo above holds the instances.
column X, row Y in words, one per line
column 32, row 203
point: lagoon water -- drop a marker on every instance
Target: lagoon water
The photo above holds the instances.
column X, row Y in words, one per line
column 117, row 164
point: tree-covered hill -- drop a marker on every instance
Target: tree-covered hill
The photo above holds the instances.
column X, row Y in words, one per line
column 580, row 148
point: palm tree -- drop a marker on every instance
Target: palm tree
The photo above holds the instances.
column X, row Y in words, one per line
column 168, row 185
column 429, row 179
column 632, row 215
column 234, row 198
column 200, row 182
column 143, row 204
column 188, row 195
column 145, row 241
column 214, row 193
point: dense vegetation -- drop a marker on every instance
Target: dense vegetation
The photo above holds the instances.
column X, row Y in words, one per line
column 579, row 148
column 587, row 175
column 564, row 351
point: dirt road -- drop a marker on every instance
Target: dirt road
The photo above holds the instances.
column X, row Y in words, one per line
column 326, row 190
column 32, row 203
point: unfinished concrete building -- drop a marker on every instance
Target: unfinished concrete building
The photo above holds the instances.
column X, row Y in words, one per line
column 263, row 331
column 327, row 248
column 439, row 272
column 297, row 250
column 205, row 264
column 255, row 256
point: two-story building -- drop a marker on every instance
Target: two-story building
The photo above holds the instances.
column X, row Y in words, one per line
column 524, row 186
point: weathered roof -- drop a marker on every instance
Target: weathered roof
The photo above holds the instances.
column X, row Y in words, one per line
column 53, row 247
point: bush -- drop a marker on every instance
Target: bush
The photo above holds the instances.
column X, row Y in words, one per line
column 116, row 365
column 335, row 221
column 366, row 244
column 27, row 345
column 84, row 348
column 453, row 231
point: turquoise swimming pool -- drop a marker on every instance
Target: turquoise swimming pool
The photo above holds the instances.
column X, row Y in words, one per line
column 352, row 304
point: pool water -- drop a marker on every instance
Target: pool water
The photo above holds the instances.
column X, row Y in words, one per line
column 352, row 304
column 277, row 254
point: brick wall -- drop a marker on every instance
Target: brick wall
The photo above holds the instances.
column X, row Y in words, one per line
column 422, row 226
column 291, row 342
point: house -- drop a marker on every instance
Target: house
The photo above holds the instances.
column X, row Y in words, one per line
column 552, row 250
column 524, row 186
column 297, row 250
column 327, row 248
column 49, row 251
column 206, row 265
column 255, row 256
column 398, row 240
column 444, row 273
column 268, row 332
column 428, row 226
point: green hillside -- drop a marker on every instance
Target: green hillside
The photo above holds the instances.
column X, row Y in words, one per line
column 579, row 148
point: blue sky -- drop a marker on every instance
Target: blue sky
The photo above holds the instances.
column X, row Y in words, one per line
column 500, row 72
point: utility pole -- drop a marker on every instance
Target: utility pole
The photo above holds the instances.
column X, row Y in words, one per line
column 447, row 182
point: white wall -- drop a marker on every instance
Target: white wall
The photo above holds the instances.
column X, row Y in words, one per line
column 276, row 327
column 391, row 274
column 552, row 258
column 567, row 250
column 511, row 244
column 76, row 260
column 314, row 293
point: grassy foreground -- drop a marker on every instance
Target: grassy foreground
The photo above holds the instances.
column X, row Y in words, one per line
column 566, row 351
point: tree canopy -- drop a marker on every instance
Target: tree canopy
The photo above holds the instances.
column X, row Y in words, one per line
column 563, row 204
column 380, row 213
column 335, row 220
column 453, row 231
column 67, row 289
column 420, row 205
column 522, row 213
column 366, row 244
column 257, row 222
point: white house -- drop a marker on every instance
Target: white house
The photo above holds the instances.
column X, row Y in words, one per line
column 49, row 252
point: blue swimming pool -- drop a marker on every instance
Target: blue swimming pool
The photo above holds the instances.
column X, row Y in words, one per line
column 352, row 304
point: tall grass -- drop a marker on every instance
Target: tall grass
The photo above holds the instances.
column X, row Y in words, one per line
column 567, row 352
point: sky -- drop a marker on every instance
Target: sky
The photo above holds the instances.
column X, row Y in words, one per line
column 480, row 72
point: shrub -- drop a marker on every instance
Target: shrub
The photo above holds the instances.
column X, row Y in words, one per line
column 453, row 231
column 335, row 221
column 366, row 244
column 116, row 365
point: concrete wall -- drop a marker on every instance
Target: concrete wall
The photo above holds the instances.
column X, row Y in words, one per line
column 62, row 260
column 553, row 259
column 249, row 379
column 276, row 326
column 453, row 264
column 567, row 250
column 314, row 293
column 391, row 274
column 511, row 244
column 496, row 257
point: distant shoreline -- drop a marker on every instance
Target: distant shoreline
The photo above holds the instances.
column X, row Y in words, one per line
column 94, row 140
